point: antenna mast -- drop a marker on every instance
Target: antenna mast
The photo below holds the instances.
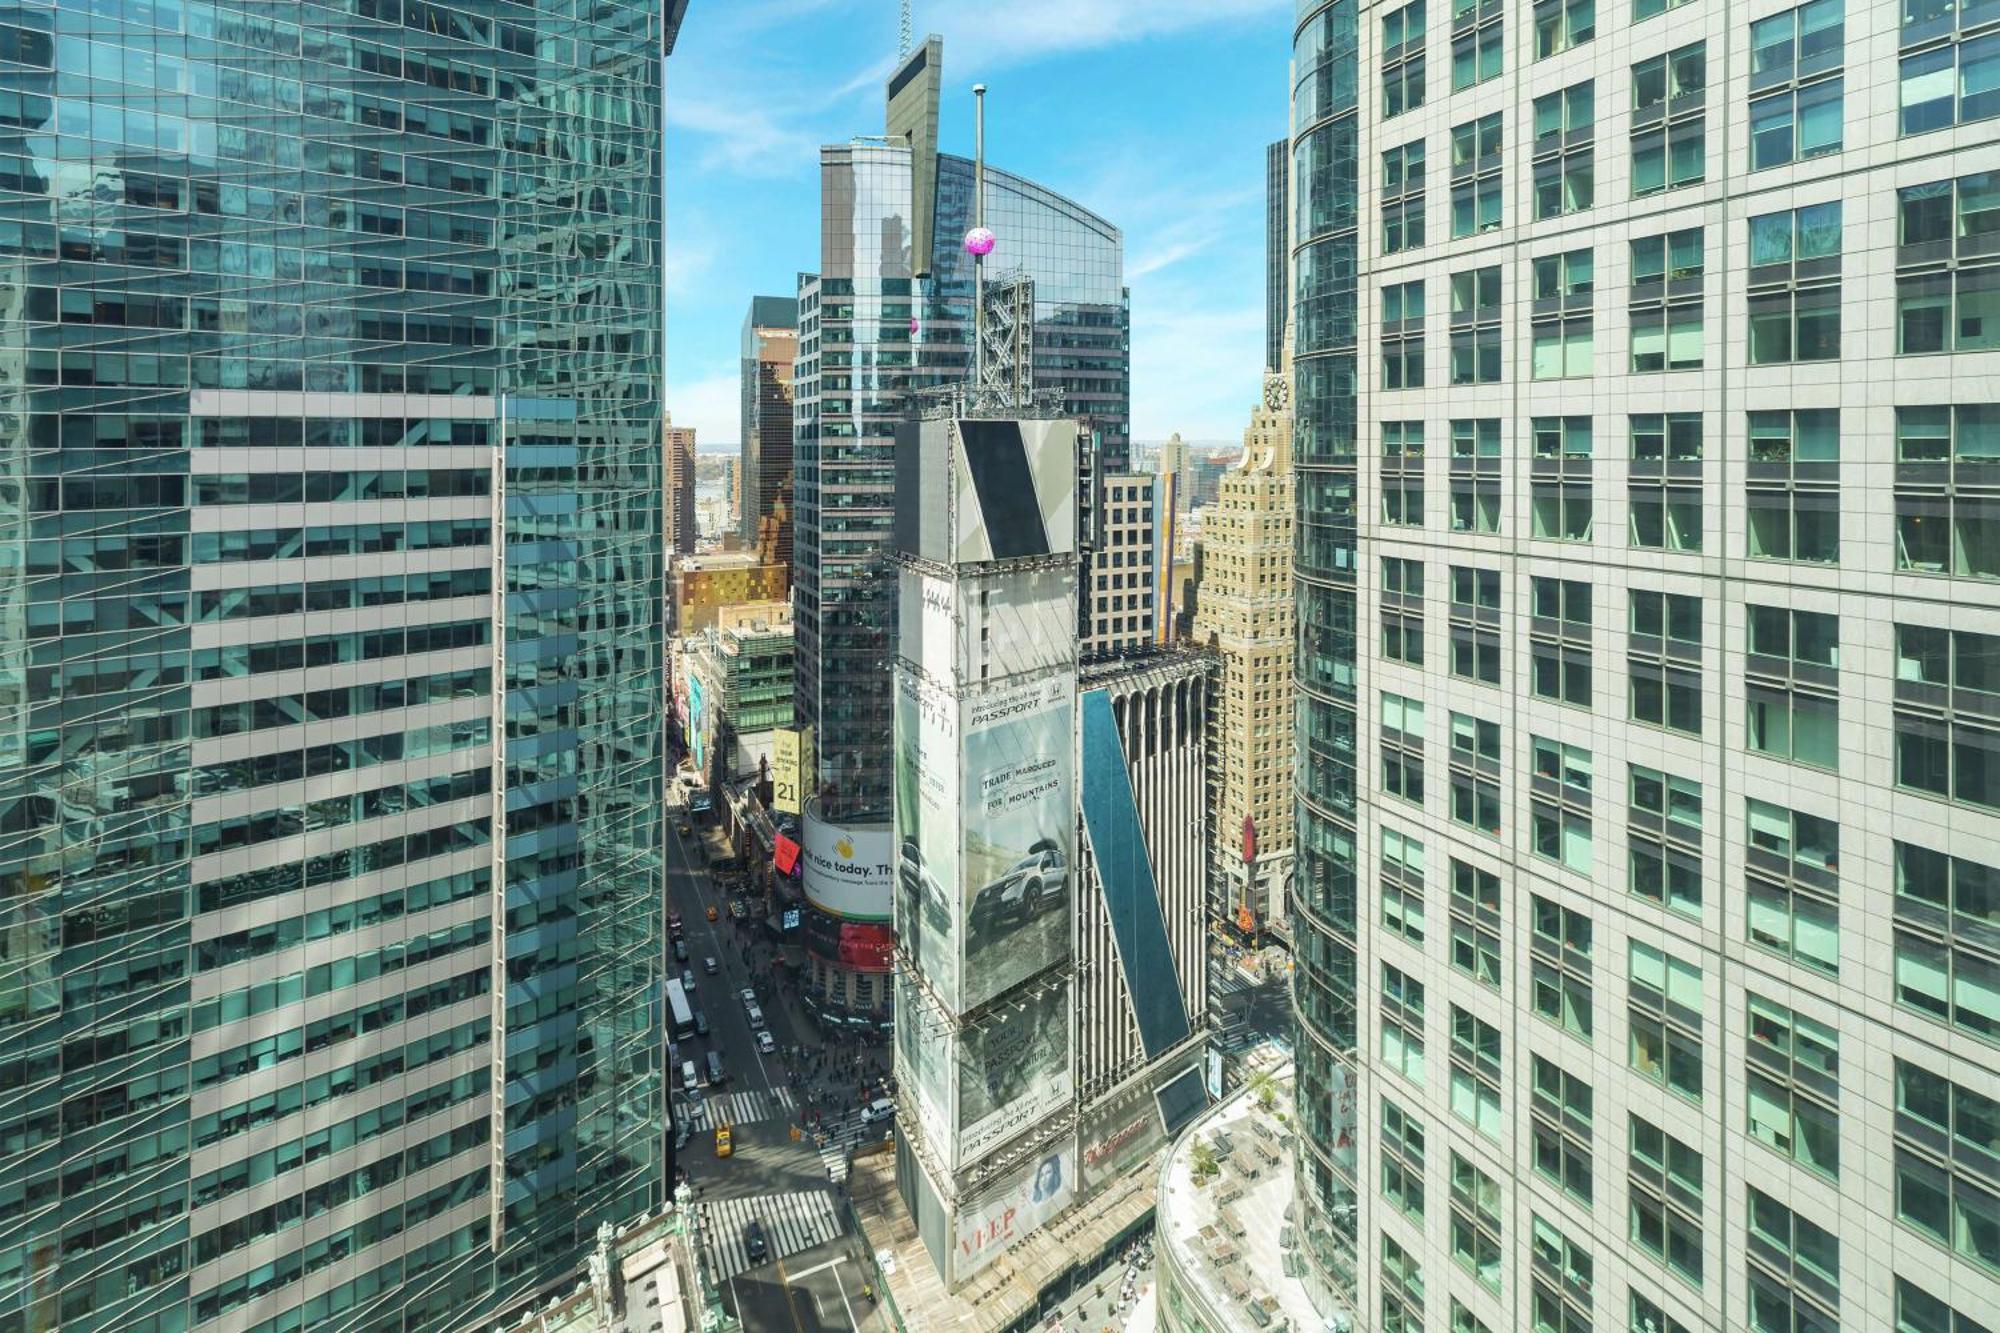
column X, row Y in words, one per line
column 909, row 32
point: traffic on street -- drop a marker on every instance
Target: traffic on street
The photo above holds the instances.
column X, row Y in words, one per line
column 766, row 1111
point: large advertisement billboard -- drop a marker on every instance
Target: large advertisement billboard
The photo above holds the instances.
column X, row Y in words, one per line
column 1019, row 814
column 923, row 1063
column 868, row 946
column 785, row 789
column 1122, row 1131
column 1013, row 1069
column 985, row 1230
column 848, row 869
column 926, row 829
column 697, row 728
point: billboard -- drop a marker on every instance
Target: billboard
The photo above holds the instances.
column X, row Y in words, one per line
column 923, row 1063
column 985, row 1230
column 1015, row 483
column 847, row 868
column 1006, row 621
column 785, row 790
column 697, row 729
column 866, row 945
column 1019, row 815
column 1118, row 1134
column 1013, row 1070
column 926, row 829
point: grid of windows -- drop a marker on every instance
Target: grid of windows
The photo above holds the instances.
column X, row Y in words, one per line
column 1948, row 939
column 1795, row 83
column 1947, row 714
column 1792, row 869
column 1559, row 638
column 1792, row 1081
column 1664, row 1012
column 1475, row 176
column 1947, row 1140
column 1948, row 490
column 1565, row 170
column 1475, row 922
column 1664, row 479
column 1663, row 836
column 1663, row 1188
column 1794, row 285
column 1669, row 142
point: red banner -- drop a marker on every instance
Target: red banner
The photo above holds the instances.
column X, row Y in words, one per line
column 786, row 856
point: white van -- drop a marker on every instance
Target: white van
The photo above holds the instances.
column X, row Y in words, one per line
column 878, row 1110
column 690, row 1081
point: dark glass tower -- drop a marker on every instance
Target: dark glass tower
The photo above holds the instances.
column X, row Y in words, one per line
column 329, row 782
column 1277, row 251
column 867, row 340
column 770, row 346
column 1324, row 931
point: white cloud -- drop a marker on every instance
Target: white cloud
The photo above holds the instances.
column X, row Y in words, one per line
column 1195, row 369
column 1028, row 29
column 712, row 404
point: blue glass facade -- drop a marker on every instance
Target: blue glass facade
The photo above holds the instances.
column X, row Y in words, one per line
column 866, row 341
column 1324, row 928
column 329, row 656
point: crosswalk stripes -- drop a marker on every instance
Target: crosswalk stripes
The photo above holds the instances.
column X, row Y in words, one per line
column 843, row 1139
column 742, row 1108
column 792, row 1222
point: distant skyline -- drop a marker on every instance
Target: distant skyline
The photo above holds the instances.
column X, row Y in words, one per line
column 755, row 88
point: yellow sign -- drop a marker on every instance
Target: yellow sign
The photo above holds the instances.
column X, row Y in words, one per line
column 785, row 772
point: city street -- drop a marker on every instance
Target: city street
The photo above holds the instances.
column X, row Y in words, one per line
column 813, row 1274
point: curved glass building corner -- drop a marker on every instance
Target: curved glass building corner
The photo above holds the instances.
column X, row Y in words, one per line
column 1324, row 239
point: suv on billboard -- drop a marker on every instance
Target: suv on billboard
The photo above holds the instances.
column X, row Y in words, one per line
column 1030, row 887
column 921, row 884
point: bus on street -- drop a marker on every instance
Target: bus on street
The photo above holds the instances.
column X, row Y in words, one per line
column 683, row 1016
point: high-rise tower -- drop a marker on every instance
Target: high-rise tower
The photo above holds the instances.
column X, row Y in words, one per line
column 330, row 880
column 770, row 347
column 678, row 444
column 1247, row 617
column 1326, row 926
column 1677, row 578
column 882, row 320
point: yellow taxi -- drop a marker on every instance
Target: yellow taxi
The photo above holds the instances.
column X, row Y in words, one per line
column 723, row 1146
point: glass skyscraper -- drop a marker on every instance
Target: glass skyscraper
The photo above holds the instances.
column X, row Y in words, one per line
column 329, row 776
column 1324, row 926
column 869, row 337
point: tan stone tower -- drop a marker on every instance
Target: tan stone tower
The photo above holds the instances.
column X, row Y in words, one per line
column 1245, row 614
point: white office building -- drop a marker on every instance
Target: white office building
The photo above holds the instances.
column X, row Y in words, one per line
column 1675, row 894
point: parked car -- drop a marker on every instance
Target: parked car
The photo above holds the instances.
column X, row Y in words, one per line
column 749, row 996
column 1031, row 886
column 766, row 1043
column 756, row 1016
column 920, row 884
column 680, row 949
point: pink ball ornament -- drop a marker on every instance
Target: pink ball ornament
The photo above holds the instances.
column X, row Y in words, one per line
column 980, row 241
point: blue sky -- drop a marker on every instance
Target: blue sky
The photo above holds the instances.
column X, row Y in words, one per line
column 1154, row 113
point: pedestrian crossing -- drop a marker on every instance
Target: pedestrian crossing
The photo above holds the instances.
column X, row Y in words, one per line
column 843, row 1139
column 792, row 1223
column 742, row 1108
